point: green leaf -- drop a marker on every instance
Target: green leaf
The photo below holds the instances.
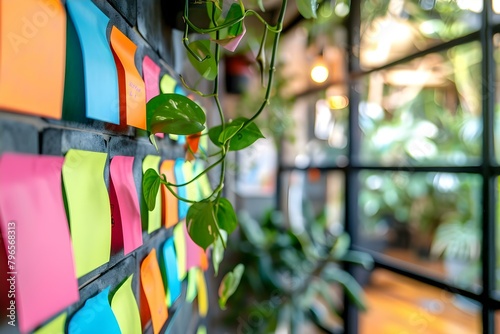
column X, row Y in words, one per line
column 360, row 258
column 218, row 251
column 229, row 284
column 236, row 11
column 174, row 114
column 208, row 66
column 152, row 139
column 243, row 138
column 150, row 185
column 341, row 246
column 226, row 217
column 229, row 132
column 201, row 223
column 307, row 8
column 351, row 287
column 217, row 11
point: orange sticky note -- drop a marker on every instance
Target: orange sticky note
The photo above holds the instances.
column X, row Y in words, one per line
column 32, row 56
column 152, row 285
column 170, row 203
column 132, row 88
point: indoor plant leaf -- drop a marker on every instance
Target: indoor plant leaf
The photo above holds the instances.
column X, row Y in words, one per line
column 226, row 217
column 229, row 284
column 352, row 288
column 150, row 186
column 236, row 31
column 218, row 251
column 201, row 223
column 307, row 8
column 207, row 67
column 174, row 114
column 243, row 138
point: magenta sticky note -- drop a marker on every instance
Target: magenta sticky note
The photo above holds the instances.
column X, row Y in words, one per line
column 151, row 75
column 126, row 229
column 35, row 233
column 193, row 251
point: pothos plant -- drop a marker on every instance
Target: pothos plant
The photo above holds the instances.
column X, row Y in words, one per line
column 211, row 219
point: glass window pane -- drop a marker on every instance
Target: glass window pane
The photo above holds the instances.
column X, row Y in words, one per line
column 392, row 29
column 424, row 112
column 431, row 221
column 318, row 134
column 397, row 304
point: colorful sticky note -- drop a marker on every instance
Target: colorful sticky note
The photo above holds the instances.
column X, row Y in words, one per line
column 151, row 74
column 180, row 250
column 32, row 214
column 202, row 294
column 32, row 56
column 95, row 316
column 89, row 211
column 191, row 291
column 170, row 202
column 151, row 219
column 193, row 251
column 101, row 78
column 182, row 191
column 55, row 326
column 203, row 183
column 125, row 308
column 192, row 192
column 171, row 278
column 167, row 84
column 132, row 88
column 125, row 210
column 152, row 285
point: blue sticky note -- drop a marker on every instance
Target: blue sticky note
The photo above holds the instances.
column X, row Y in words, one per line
column 170, row 277
column 182, row 191
column 101, row 78
column 95, row 316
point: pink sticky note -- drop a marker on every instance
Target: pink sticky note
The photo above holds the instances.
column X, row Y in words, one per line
column 35, row 231
column 193, row 251
column 151, row 74
column 126, row 228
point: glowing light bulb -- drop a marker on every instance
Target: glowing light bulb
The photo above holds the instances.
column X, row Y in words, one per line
column 319, row 73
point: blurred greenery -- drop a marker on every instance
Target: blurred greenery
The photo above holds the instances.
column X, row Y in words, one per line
column 292, row 276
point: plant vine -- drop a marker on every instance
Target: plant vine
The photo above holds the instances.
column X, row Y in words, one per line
column 212, row 218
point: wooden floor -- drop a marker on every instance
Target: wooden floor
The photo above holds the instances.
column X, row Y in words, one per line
column 399, row 305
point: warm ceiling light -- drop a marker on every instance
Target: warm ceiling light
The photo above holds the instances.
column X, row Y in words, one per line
column 336, row 102
column 319, row 72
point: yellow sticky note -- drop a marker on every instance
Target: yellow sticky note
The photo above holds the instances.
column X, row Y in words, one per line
column 89, row 210
column 167, row 84
column 180, row 250
column 152, row 218
column 125, row 308
column 55, row 326
column 192, row 192
column 202, row 295
column 191, row 284
column 203, row 184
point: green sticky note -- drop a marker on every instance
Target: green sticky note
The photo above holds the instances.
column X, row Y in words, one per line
column 89, row 210
column 125, row 308
column 180, row 250
column 203, row 184
column 192, row 284
column 167, row 84
column 192, row 192
column 151, row 219
column 55, row 326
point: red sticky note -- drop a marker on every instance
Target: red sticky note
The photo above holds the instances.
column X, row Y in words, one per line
column 35, row 231
column 125, row 211
column 154, row 291
column 32, row 56
column 132, row 88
